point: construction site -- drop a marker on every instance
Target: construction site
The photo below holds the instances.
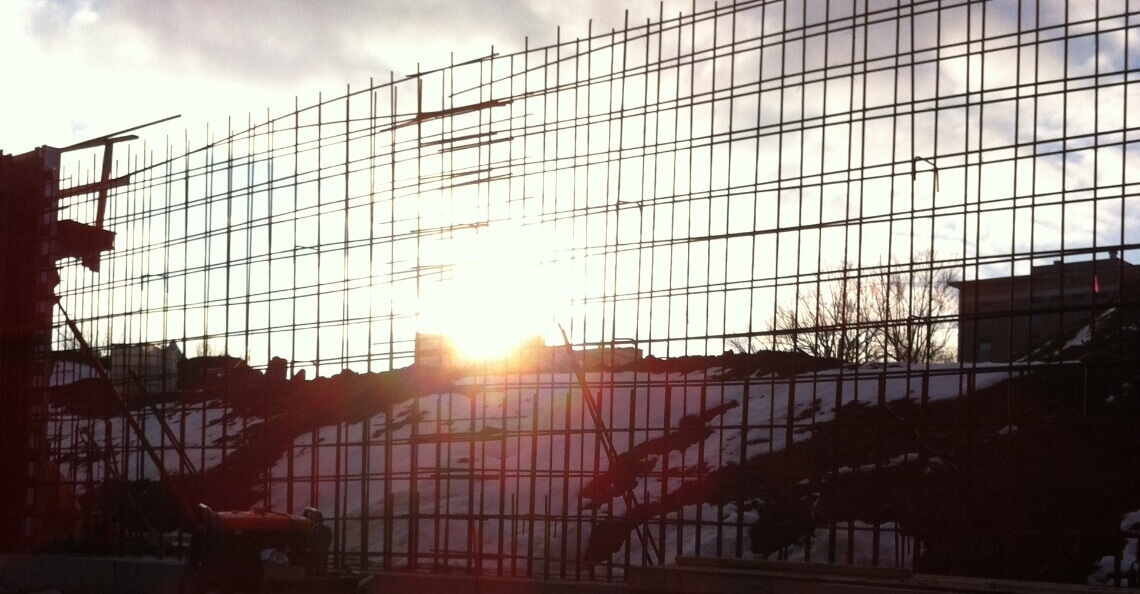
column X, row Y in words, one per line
column 776, row 296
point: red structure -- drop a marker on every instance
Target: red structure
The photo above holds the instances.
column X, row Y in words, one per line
column 28, row 195
column 32, row 240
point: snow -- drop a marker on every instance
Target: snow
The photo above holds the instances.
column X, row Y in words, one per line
column 64, row 373
column 823, row 390
column 206, row 431
column 1080, row 338
column 500, row 461
column 544, row 477
column 1084, row 335
column 854, row 544
column 895, row 461
column 1105, row 573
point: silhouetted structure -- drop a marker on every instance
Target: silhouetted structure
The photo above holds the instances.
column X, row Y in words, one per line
column 1010, row 318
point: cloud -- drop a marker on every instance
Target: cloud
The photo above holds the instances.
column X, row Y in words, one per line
column 100, row 65
column 292, row 42
column 279, row 44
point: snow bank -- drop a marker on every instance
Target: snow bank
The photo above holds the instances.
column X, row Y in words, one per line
column 1105, row 573
column 855, row 544
column 495, row 467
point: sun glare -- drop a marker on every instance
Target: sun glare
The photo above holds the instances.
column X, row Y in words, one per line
column 499, row 296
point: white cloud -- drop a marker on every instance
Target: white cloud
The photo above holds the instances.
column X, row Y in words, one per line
column 91, row 67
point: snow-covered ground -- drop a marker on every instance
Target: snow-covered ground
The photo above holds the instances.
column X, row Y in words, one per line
column 495, row 467
column 208, row 431
column 1106, row 572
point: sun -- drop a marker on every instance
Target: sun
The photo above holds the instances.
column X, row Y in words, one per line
column 499, row 295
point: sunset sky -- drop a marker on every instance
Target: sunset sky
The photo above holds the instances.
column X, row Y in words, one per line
column 782, row 155
column 78, row 69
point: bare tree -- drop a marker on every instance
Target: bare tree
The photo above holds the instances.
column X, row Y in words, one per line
column 913, row 308
column 828, row 319
column 747, row 345
column 65, row 340
column 898, row 316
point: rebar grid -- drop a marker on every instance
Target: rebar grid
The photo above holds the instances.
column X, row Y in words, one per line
column 693, row 184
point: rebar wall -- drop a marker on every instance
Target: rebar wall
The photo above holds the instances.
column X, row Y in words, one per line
column 844, row 193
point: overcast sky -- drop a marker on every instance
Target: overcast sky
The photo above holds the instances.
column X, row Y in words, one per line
column 77, row 69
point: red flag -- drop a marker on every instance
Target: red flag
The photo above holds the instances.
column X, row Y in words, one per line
column 1096, row 284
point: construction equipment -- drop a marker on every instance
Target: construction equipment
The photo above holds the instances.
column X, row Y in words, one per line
column 230, row 551
column 238, row 551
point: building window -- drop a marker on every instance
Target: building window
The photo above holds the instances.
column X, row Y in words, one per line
column 985, row 351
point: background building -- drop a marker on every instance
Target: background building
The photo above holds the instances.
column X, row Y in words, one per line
column 1010, row 318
